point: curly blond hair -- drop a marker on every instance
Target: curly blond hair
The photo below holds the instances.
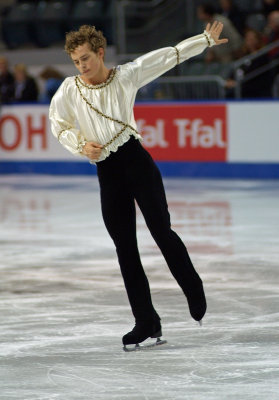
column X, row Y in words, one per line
column 85, row 34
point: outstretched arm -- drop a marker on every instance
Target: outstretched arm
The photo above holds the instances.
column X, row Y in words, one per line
column 154, row 64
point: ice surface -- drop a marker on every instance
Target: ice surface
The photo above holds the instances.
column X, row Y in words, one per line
column 63, row 308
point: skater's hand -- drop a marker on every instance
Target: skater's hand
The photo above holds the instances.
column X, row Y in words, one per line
column 92, row 150
column 215, row 31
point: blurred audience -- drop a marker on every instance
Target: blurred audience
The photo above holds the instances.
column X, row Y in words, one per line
column 269, row 5
column 53, row 80
column 6, row 82
column 26, row 88
column 227, row 52
column 243, row 41
column 272, row 32
column 229, row 10
column 259, row 85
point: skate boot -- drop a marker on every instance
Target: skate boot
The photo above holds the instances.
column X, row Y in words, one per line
column 196, row 301
column 141, row 332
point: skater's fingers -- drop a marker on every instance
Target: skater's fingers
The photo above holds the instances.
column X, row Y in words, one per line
column 221, row 41
column 207, row 27
column 94, row 144
column 214, row 25
column 92, row 151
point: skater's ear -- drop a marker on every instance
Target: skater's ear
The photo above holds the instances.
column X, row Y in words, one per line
column 101, row 53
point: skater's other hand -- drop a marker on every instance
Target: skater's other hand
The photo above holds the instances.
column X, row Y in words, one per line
column 92, row 150
column 215, row 31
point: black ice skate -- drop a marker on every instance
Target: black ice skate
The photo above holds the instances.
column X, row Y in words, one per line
column 140, row 333
column 196, row 301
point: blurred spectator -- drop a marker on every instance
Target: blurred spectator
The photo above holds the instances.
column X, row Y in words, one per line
column 226, row 52
column 269, row 6
column 260, row 85
column 25, row 86
column 229, row 10
column 272, row 32
column 6, row 82
column 53, row 80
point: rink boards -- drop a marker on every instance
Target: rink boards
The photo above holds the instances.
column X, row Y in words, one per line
column 207, row 139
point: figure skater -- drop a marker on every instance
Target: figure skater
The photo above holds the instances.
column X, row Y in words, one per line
column 92, row 115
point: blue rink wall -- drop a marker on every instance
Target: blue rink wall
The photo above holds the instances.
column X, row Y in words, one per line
column 168, row 169
column 193, row 139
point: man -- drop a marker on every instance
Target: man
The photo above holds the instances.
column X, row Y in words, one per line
column 101, row 101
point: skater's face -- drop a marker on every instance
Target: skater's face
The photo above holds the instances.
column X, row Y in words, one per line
column 89, row 63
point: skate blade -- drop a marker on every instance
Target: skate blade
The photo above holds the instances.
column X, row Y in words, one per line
column 144, row 346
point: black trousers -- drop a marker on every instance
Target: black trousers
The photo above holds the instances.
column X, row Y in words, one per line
column 125, row 176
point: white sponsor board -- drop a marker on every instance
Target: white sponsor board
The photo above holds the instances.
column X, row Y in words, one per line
column 253, row 132
column 25, row 135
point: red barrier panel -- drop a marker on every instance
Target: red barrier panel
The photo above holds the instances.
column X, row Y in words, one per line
column 184, row 132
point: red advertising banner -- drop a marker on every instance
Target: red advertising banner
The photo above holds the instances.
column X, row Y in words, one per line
column 194, row 132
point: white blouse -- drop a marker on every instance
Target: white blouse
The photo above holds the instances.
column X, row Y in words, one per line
column 80, row 112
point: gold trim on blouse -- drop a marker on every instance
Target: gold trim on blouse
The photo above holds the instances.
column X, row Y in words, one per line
column 177, row 55
column 99, row 85
column 124, row 124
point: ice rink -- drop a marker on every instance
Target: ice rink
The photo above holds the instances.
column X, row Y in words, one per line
column 64, row 309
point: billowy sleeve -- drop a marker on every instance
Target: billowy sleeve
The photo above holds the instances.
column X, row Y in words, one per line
column 63, row 121
column 150, row 66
